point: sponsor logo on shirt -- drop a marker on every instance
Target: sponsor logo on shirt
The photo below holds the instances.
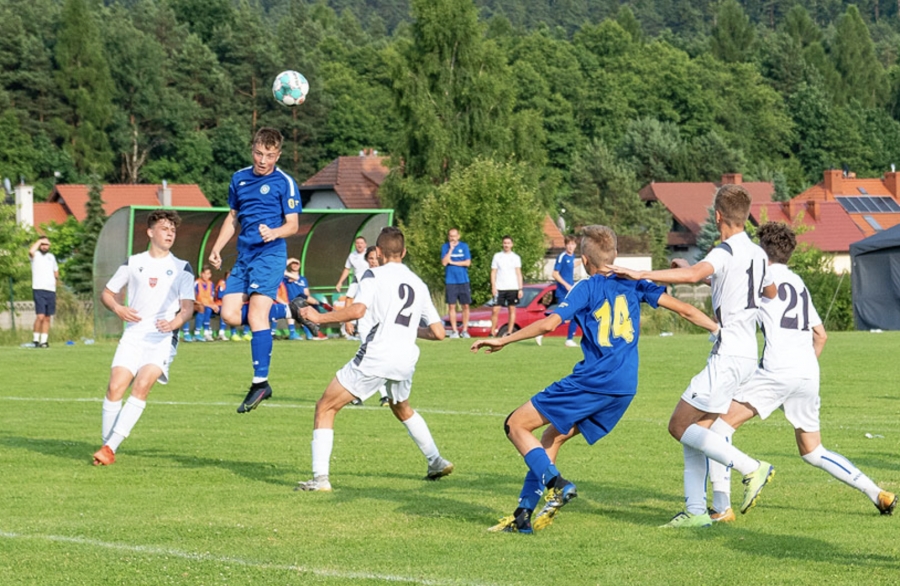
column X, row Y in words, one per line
column 242, row 183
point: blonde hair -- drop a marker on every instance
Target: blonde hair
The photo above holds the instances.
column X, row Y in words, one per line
column 733, row 204
column 599, row 245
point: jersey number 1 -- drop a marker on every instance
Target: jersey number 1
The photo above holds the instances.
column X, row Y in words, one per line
column 615, row 321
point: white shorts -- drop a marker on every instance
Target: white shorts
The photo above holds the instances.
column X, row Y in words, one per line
column 798, row 397
column 363, row 386
column 133, row 353
column 711, row 391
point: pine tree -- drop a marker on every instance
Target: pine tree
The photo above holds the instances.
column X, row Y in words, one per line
column 733, row 35
column 708, row 235
column 854, row 57
column 81, row 267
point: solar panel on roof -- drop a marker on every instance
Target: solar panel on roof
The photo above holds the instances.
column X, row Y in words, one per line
column 848, row 204
column 869, row 204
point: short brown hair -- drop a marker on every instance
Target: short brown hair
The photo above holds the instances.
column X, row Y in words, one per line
column 157, row 215
column 391, row 242
column 369, row 251
column 599, row 245
column 778, row 240
column 569, row 238
column 733, row 204
column 268, row 137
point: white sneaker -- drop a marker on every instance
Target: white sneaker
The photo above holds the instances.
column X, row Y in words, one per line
column 222, row 335
column 207, row 335
column 464, row 334
column 317, row 484
column 571, row 344
column 453, row 334
column 439, row 468
column 539, row 340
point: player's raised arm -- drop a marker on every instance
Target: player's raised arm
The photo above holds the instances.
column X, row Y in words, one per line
column 691, row 274
column 229, row 228
column 532, row 330
column 688, row 312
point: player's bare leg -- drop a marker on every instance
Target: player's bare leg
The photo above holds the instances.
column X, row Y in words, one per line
column 118, row 423
column 332, row 400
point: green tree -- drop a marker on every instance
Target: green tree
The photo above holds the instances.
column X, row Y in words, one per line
column 80, row 268
column 653, row 149
column 486, row 201
column 854, row 58
column 732, row 36
column 452, row 92
column 84, row 80
column 708, row 235
column 14, row 243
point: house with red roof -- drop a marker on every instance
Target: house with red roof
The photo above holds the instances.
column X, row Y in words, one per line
column 689, row 205
column 71, row 200
column 872, row 204
column 826, row 225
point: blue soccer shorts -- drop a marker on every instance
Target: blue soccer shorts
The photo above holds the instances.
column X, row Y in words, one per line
column 259, row 273
column 594, row 413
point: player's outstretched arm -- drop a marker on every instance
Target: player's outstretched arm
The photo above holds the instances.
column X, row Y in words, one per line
column 349, row 313
column 688, row 312
column 692, row 274
column 533, row 330
column 229, row 228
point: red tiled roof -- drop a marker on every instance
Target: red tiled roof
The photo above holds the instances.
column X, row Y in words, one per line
column 552, row 235
column 835, row 184
column 44, row 213
column 355, row 179
column 831, row 228
column 689, row 203
column 115, row 196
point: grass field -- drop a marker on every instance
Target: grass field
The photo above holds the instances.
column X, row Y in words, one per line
column 202, row 495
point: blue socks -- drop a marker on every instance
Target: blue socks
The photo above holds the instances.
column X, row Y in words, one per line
column 261, row 353
column 539, row 464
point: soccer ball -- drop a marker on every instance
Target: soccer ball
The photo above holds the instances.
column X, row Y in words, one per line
column 290, row 88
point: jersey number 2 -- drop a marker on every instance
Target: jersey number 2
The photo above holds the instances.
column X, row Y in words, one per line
column 615, row 321
column 792, row 322
column 406, row 293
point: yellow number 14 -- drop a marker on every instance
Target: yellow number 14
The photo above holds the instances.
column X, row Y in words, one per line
column 618, row 323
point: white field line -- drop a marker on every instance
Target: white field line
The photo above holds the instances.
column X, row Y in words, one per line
column 232, row 403
column 207, row 557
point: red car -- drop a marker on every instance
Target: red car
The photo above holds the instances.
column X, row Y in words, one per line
column 537, row 299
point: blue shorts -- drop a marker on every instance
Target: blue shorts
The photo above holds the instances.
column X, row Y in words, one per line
column 461, row 292
column 260, row 273
column 595, row 414
column 44, row 302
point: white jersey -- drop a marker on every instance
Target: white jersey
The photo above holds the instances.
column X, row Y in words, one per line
column 43, row 271
column 156, row 287
column 787, row 322
column 396, row 302
column 357, row 262
column 737, row 282
column 506, row 264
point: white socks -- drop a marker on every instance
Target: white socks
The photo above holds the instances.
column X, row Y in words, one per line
column 694, row 481
column 716, row 448
column 110, row 414
column 720, row 475
column 418, row 431
column 844, row 470
column 322, row 444
column 128, row 417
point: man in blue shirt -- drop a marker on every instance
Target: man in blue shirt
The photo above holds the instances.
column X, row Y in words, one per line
column 592, row 399
column 265, row 204
column 296, row 285
column 456, row 259
column 564, row 275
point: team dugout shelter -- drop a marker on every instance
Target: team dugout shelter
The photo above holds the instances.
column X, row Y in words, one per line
column 876, row 281
column 322, row 243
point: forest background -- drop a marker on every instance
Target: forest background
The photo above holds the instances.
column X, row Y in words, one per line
column 567, row 107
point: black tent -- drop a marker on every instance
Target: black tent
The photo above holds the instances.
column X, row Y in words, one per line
column 876, row 281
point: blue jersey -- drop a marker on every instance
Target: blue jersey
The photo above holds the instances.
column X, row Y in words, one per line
column 296, row 288
column 454, row 275
column 608, row 309
column 565, row 266
column 262, row 199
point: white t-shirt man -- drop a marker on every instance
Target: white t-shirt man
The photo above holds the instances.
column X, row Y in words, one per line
column 396, row 302
column 43, row 271
column 356, row 261
column 506, row 264
column 156, row 287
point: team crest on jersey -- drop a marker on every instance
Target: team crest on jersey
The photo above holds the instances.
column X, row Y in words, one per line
column 169, row 273
column 153, row 281
column 264, row 189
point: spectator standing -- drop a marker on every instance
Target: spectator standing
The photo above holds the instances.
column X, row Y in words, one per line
column 44, row 274
column 356, row 261
column 506, row 284
column 456, row 258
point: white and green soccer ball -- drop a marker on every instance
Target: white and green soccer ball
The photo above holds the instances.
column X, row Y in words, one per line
column 290, row 88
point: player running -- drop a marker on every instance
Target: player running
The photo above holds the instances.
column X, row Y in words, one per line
column 390, row 304
column 592, row 399
column 737, row 270
column 789, row 373
column 160, row 300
